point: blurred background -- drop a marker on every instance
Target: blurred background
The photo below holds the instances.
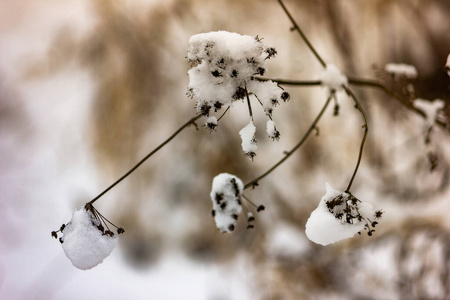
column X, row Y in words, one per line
column 87, row 88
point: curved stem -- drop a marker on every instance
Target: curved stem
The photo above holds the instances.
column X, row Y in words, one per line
column 296, row 27
column 191, row 121
column 363, row 141
column 254, row 182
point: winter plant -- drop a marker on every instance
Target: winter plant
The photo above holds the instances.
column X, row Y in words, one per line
column 228, row 67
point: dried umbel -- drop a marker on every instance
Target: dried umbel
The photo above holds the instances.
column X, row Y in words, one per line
column 86, row 241
column 229, row 201
column 339, row 216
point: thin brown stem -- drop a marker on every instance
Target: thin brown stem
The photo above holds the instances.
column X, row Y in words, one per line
column 363, row 141
column 297, row 28
column 291, row 82
column 191, row 121
column 249, row 105
column 254, row 182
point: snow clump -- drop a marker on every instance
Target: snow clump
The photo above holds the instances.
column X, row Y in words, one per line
column 332, row 78
column 225, row 195
column 339, row 216
column 429, row 108
column 401, row 70
column 224, row 66
column 272, row 131
column 248, row 140
column 83, row 241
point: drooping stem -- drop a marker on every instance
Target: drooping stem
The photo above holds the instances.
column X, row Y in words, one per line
column 297, row 28
column 249, row 105
column 363, row 141
column 191, row 121
column 289, row 153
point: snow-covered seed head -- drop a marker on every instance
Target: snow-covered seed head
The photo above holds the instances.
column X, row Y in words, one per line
column 248, row 140
column 332, row 78
column 223, row 64
column 339, row 216
column 85, row 240
column 211, row 123
column 225, row 196
column 272, row 131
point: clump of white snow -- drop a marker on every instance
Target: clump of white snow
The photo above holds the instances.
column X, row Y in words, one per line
column 332, row 78
column 429, row 108
column 225, row 195
column 84, row 243
column 272, row 131
column 248, row 139
column 211, row 123
column 447, row 65
column 401, row 70
column 340, row 216
column 224, row 68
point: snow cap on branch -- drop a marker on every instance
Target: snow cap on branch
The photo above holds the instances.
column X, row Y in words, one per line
column 401, row 70
column 225, row 195
column 84, row 243
column 339, row 216
column 332, row 78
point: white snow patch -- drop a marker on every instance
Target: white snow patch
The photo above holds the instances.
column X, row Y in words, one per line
column 332, row 78
column 429, row 108
column 248, row 138
column 84, row 244
column 401, row 70
column 225, row 196
column 272, row 130
column 324, row 228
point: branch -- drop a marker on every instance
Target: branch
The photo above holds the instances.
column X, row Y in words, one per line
column 297, row 28
column 363, row 141
column 191, row 121
column 254, row 182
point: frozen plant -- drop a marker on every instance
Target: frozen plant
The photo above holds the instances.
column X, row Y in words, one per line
column 225, row 68
column 85, row 240
column 401, row 70
column 227, row 198
column 248, row 139
column 340, row 215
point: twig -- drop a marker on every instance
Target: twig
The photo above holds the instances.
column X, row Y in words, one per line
column 289, row 153
column 363, row 141
column 249, row 105
column 191, row 121
column 296, row 27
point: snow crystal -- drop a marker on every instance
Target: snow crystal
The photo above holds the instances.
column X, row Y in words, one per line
column 225, row 196
column 224, row 65
column 324, row 227
column 332, row 78
column 248, row 139
column 447, row 65
column 83, row 243
column 429, row 108
column 401, row 70
column 272, row 130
